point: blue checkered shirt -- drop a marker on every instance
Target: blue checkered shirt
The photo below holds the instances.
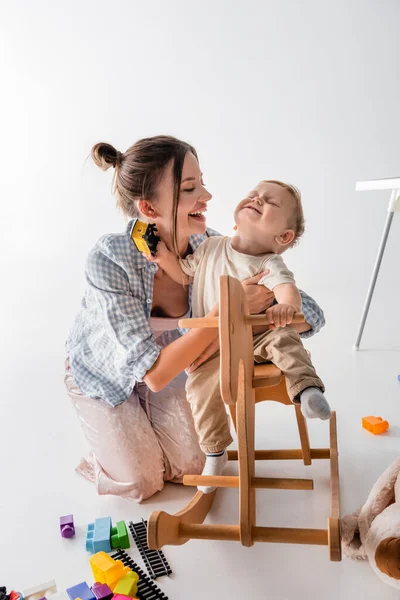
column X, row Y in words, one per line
column 111, row 345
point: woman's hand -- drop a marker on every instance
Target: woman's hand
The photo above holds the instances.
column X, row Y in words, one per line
column 259, row 297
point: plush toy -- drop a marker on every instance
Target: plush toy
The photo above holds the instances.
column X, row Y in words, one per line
column 373, row 532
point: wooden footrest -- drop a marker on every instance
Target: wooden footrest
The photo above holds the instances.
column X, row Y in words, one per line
column 278, row 535
column 227, row 481
column 323, row 453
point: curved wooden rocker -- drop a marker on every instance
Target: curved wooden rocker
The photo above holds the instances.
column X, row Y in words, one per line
column 243, row 384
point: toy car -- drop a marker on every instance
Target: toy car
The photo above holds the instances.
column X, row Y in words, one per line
column 144, row 237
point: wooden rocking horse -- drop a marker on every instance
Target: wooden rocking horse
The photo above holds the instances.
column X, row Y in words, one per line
column 243, row 384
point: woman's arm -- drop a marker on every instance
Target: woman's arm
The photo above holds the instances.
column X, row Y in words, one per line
column 179, row 355
column 301, row 327
column 122, row 317
column 313, row 314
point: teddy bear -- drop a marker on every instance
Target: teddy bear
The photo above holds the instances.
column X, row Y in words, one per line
column 373, row 532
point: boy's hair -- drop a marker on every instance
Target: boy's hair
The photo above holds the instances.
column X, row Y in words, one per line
column 297, row 219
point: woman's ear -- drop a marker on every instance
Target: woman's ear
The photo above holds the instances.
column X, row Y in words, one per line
column 147, row 209
column 285, row 238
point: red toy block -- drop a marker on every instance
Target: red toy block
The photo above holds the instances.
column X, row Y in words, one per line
column 375, row 425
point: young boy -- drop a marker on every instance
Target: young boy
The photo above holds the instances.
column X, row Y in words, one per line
column 268, row 222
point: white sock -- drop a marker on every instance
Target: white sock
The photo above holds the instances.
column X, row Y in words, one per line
column 215, row 464
column 314, row 404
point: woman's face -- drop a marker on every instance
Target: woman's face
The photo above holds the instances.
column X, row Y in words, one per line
column 193, row 198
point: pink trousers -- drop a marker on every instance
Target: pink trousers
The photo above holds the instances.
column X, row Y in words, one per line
column 139, row 444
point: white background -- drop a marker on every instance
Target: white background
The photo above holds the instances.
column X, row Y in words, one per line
column 306, row 92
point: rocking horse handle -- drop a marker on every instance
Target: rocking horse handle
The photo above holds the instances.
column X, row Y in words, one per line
column 253, row 320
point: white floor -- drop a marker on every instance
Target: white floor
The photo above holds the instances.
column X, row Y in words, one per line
column 41, row 443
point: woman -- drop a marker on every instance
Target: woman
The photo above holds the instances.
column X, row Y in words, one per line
column 126, row 355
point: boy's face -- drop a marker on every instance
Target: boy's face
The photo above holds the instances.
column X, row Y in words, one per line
column 264, row 215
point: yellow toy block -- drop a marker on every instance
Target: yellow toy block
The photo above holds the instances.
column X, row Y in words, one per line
column 375, row 425
column 107, row 570
column 127, row 585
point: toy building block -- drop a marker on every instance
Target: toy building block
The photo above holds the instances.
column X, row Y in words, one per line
column 15, row 595
column 119, row 536
column 101, row 591
column 107, row 570
column 3, row 593
column 41, row 590
column 127, row 585
column 98, row 535
column 375, row 425
column 144, row 237
column 82, row 591
column 67, row 527
column 122, row 597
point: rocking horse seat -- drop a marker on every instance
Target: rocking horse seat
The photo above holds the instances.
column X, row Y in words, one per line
column 266, row 375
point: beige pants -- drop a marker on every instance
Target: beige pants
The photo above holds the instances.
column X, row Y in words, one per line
column 139, row 444
column 283, row 347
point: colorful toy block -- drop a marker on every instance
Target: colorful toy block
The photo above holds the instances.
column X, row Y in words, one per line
column 82, row 591
column 119, row 536
column 101, row 591
column 121, row 597
column 375, row 425
column 98, row 535
column 15, row 595
column 67, row 527
column 107, row 570
column 127, row 585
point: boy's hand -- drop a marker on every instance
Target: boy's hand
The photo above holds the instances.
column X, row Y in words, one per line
column 280, row 315
column 162, row 252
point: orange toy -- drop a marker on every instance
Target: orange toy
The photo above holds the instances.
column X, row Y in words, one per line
column 375, row 425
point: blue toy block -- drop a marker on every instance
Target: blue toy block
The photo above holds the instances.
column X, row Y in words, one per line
column 398, row 377
column 98, row 536
column 89, row 537
column 81, row 590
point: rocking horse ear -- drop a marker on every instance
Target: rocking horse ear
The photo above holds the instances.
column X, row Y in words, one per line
column 387, row 557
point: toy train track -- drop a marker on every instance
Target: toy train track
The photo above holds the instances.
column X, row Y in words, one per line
column 155, row 561
column 147, row 589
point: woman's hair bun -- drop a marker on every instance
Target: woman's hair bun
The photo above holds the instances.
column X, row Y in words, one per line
column 105, row 155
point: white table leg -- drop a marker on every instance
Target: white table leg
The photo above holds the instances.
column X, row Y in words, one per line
column 393, row 206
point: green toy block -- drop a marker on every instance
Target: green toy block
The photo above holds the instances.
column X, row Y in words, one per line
column 119, row 536
column 127, row 585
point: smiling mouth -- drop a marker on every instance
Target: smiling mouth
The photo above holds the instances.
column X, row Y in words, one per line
column 198, row 216
column 253, row 208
